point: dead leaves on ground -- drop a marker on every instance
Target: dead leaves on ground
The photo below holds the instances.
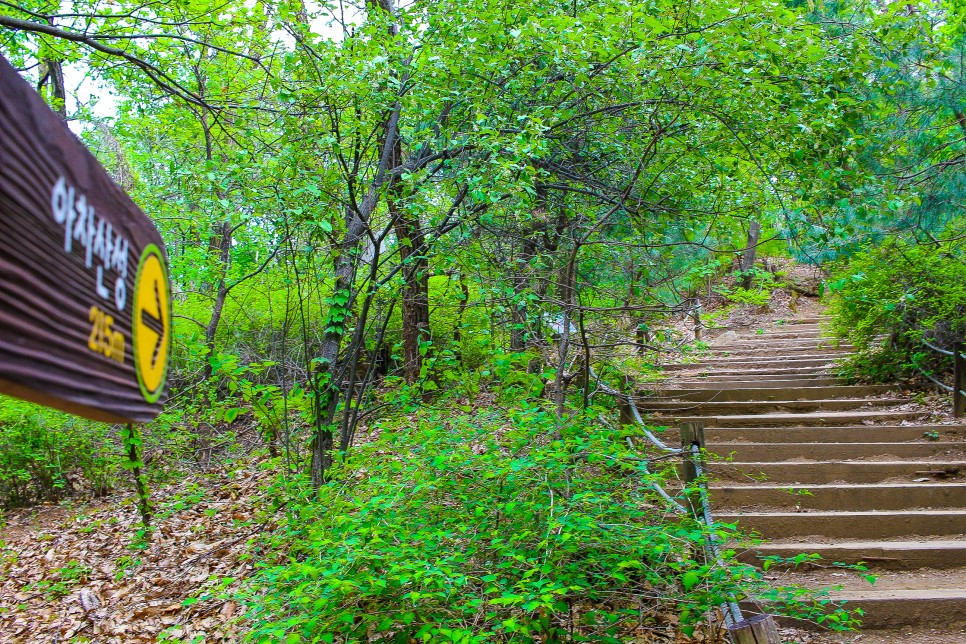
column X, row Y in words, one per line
column 88, row 578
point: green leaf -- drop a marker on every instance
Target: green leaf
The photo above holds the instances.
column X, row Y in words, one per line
column 690, row 579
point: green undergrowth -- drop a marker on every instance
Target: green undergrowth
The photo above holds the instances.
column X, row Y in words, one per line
column 493, row 525
column 47, row 455
column 889, row 298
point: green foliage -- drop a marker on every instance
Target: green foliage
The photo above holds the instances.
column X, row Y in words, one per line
column 604, row 157
column 486, row 527
column 131, row 440
column 45, row 455
column 512, row 380
column 762, row 284
column 890, row 297
column 748, row 296
column 61, row 580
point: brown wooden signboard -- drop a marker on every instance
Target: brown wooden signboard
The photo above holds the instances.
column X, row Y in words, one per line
column 85, row 308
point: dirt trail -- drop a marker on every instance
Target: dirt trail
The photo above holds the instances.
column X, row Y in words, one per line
column 80, row 573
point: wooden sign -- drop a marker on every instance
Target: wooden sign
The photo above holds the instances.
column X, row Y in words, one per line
column 85, row 308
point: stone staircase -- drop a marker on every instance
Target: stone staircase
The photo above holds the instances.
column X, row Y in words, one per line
column 852, row 473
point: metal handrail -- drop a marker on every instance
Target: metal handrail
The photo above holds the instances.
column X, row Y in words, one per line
column 959, row 375
column 654, row 440
column 628, row 399
column 731, row 609
column 935, row 348
column 936, row 382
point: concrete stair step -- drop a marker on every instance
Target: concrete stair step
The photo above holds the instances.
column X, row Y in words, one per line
column 878, row 555
column 895, row 608
column 771, row 353
column 762, row 373
column 830, row 418
column 879, row 496
column 776, row 339
column 775, row 350
column 925, row 597
column 771, row 393
column 795, row 326
column 805, row 473
column 867, row 524
column 823, row 451
column 762, row 376
column 801, row 332
column 770, row 340
column 759, row 382
column 737, row 407
column 808, row 321
column 814, row 360
column 846, row 434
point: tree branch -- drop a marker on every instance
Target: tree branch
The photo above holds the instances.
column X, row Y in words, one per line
column 157, row 76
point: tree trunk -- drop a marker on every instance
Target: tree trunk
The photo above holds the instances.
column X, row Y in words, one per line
column 521, row 280
column 415, row 290
column 521, row 277
column 327, row 389
column 458, row 328
column 751, row 250
column 221, row 241
column 52, row 73
column 325, row 382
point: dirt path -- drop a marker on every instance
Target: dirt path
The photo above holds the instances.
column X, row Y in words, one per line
column 86, row 572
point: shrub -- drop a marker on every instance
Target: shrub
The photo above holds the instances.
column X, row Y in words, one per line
column 487, row 527
column 762, row 285
column 45, row 454
column 888, row 298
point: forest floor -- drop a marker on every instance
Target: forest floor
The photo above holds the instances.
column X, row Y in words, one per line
column 86, row 572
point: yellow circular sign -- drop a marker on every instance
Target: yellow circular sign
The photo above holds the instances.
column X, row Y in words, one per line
column 151, row 324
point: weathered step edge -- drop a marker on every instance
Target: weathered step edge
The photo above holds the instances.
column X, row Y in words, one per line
column 850, row 525
column 832, row 496
column 877, row 555
column 928, row 607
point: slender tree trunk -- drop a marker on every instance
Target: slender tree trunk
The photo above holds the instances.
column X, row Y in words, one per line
column 961, row 119
column 415, row 291
column 415, row 301
column 751, row 250
column 325, row 379
column 521, row 280
column 52, row 74
column 222, row 241
column 567, row 297
column 458, row 328
column 326, row 385
column 521, row 277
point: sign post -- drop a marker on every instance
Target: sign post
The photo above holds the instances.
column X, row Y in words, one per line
column 85, row 304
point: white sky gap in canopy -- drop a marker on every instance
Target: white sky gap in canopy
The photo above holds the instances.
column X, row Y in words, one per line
column 83, row 90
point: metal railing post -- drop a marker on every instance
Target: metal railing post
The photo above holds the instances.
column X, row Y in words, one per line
column 958, row 389
column 696, row 317
column 759, row 629
column 692, row 434
column 959, row 379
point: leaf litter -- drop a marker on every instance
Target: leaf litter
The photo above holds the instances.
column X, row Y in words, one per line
column 92, row 574
column 87, row 572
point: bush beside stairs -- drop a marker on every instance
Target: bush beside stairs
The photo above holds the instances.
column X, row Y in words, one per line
column 849, row 472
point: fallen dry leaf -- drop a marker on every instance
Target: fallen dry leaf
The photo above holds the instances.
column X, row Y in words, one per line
column 129, row 594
